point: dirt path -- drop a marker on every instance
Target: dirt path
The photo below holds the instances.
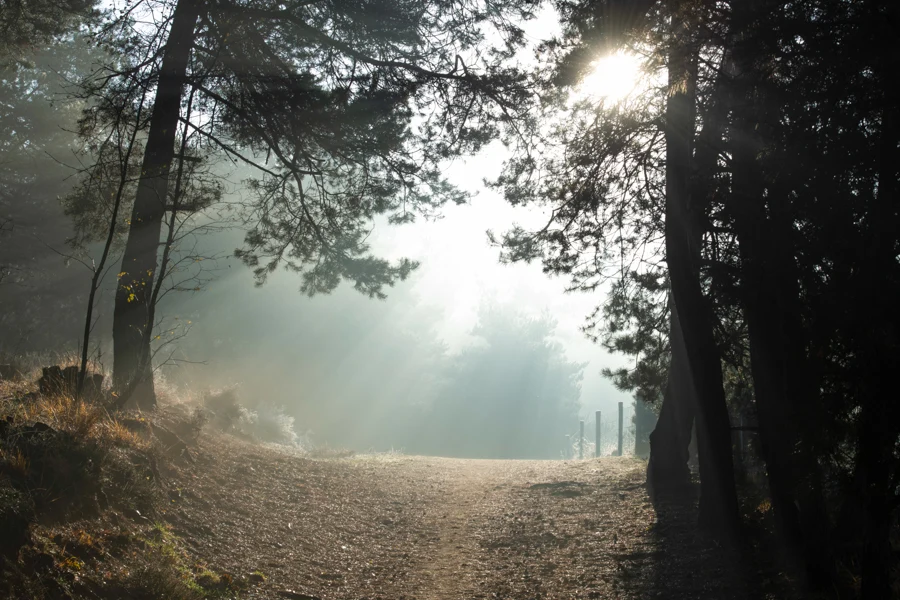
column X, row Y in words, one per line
column 418, row 528
column 446, row 572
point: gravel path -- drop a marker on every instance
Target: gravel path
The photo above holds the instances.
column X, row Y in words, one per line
column 421, row 528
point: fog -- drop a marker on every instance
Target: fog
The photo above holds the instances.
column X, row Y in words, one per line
column 365, row 373
column 250, row 237
column 355, row 372
column 352, row 371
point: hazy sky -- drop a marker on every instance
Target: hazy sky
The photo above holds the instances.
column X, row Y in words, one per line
column 275, row 338
column 460, row 270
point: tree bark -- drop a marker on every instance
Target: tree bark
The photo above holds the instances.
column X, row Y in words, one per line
column 770, row 298
column 878, row 344
column 718, row 501
column 763, row 313
column 132, row 326
column 667, row 469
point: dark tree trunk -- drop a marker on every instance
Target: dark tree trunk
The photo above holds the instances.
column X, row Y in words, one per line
column 770, row 298
column 763, row 313
column 132, row 369
column 782, row 390
column 879, row 343
column 718, row 500
column 667, row 470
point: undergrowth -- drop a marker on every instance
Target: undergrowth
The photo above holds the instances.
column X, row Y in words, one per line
column 79, row 485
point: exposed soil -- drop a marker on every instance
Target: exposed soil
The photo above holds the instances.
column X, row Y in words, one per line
column 398, row 527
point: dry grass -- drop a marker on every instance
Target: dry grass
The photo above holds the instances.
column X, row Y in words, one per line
column 21, row 403
column 15, row 461
column 327, row 452
column 29, row 365
column 12, row 389
column 66, row 455
column 64, row 413
column 83, row 485
column 84, row 420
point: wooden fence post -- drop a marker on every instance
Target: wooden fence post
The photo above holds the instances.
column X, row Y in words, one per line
column 620, row 428
column 581, row 440
column 597, row 436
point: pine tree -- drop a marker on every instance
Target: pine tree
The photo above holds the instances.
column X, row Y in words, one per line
column 345, row 109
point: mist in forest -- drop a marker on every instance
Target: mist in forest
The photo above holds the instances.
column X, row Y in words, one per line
column 466, row 358
column 461, row 227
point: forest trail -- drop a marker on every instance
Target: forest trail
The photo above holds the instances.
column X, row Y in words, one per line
column 467, row 490
column 396, row 527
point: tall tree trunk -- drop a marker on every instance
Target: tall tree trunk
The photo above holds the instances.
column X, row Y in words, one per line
column 879, row 346
column 782, row 388
column 763, row 314
column 132, row 369
column 667, row 469
column 770, row 298
column 718, row 501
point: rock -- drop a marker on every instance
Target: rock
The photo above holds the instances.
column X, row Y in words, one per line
column 70, row 378
column 37, row 428
column 56, row 380
column 51, row 380
column 256, row 577
column 93, row 386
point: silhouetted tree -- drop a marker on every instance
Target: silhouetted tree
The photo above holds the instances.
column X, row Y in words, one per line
column 781, row 244
column 618, row 179
column 344, row 109
column 26, row 25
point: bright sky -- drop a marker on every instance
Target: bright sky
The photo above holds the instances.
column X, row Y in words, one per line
column 460, row 270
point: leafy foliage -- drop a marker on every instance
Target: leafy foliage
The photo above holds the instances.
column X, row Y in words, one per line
column 636, row 323
column 793, row 180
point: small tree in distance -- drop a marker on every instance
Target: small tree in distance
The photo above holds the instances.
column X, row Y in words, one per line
column 512, row 394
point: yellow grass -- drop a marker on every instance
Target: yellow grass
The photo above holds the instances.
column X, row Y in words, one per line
column 64, row 413
column 29, row 364
column 86, row 420
column 17, row 463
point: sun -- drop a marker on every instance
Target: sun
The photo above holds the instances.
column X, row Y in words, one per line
column 612, row 77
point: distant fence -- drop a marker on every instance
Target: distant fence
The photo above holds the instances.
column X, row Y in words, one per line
column 582, row 442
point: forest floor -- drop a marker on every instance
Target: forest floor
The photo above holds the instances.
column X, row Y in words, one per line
column 395, row 527
column 103, row 507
